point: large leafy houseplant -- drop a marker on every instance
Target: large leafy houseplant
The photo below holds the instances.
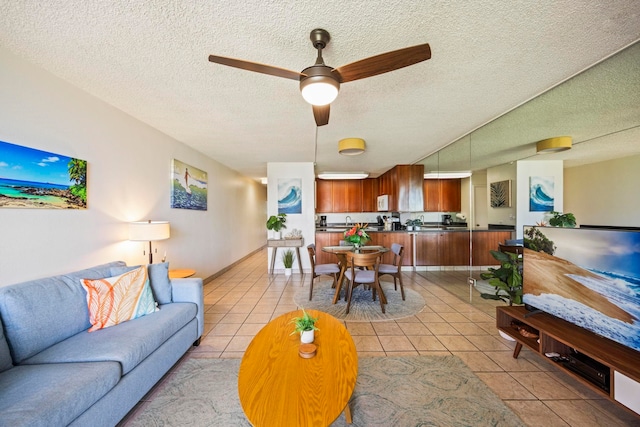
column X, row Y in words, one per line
column 559, row 219
column 507, row 280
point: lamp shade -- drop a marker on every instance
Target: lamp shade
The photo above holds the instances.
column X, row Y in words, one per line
column 147, row 231
column 553, row 145
column 319, row 86
column 351, row 146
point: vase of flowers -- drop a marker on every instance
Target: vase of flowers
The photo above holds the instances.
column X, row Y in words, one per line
column 357, row 236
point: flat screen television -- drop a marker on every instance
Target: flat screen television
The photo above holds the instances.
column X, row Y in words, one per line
column 589, row 277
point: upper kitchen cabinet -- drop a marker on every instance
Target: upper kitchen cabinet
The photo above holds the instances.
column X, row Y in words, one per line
column 404, row 185
column 336, row 196
column 369, row 194
column 442, row 195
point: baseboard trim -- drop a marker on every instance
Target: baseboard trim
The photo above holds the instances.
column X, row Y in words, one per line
column 230, row 266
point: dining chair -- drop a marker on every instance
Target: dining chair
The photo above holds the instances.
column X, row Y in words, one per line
column 321, row 269
column 394, row 269
column 362, row 269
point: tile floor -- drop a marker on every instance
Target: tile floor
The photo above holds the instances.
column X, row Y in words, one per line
column 243, row 299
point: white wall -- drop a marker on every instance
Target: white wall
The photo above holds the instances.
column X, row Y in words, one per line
column 304, row 221
column 129, row 165
column 604, row 193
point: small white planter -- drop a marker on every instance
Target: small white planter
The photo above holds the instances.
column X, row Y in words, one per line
column 505, row 336
column 287, row 272
column 306, row 337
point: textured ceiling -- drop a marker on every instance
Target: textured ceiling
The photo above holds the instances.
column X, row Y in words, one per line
column 149, row 59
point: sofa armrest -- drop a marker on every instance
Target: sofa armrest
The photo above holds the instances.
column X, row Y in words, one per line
column 190, row 290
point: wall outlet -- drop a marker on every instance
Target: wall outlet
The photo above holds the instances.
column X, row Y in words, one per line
column 471, row 281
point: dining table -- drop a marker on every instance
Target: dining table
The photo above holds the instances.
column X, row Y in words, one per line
column 341, row 253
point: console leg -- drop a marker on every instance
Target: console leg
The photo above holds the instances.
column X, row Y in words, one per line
column 516, row 351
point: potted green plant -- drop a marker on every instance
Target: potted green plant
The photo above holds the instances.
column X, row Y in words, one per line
column 276, row 223
column 287, row 259
column 306, row 326
column 562, row 220
column 507, row 280
column 413, row 224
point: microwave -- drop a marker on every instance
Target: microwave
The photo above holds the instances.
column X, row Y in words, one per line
column 383, row 203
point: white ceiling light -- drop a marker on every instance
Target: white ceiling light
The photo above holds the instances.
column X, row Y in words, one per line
column 553, row 145
column 343, row 175
column 320, row 87
column 351, row 146
column 447, row 175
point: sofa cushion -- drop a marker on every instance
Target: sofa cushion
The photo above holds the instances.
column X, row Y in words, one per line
column 5, row 354
column 39, row 313
column 128, row 343
column 113, row 300
column 55, row 394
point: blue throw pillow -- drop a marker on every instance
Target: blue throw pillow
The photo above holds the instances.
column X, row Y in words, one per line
column 160, row 282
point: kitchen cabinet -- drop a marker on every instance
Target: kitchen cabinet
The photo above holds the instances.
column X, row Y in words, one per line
column 404, row 185
column 442, row 195
column 326, row 239
column 338, row 196
column 324, row 197
column 442, row 248
column 427, row 252
column 485, row 241
column 387, row 239
column 369, row 195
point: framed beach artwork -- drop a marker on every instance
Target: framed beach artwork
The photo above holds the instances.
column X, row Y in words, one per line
column 188, row 187
column 501, row 194
column 290, row 196
column 541, row 195
column 32, row 178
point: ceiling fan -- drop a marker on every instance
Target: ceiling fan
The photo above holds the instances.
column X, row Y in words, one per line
column 320, row 83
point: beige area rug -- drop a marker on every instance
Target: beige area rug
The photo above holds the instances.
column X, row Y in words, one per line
column 390, row 391
column 363, row 308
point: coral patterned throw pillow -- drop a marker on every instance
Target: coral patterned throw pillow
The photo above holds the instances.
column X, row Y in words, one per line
column 114, row 300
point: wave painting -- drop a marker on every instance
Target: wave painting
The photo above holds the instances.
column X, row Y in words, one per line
column 541, row 194
column 290, row 196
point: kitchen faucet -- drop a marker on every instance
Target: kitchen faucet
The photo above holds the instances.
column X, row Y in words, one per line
column 422, row 219
column 347, row 220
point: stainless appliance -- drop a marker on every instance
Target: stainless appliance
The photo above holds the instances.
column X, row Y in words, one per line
column 323, row 220
column 446, row 219
column 395, row 221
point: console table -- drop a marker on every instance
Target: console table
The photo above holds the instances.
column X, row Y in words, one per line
column 285, row 243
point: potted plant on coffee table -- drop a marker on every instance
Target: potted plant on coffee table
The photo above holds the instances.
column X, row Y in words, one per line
column 306, row 326
column 276, row 223
column 287, row 259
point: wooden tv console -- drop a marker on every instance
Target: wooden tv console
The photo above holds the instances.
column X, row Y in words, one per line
column 554, row 335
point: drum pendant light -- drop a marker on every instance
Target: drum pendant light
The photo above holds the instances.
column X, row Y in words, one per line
column 351, row 146
column 553, row 145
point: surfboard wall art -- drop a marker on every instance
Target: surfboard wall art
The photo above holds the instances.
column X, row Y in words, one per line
column 290, row 196
column 38, row 179
column 188, row 187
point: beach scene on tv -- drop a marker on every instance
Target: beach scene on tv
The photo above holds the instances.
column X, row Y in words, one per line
column 38, row 179
column 589, row 277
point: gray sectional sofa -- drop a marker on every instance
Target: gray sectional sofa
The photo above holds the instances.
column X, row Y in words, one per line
column 55, row 373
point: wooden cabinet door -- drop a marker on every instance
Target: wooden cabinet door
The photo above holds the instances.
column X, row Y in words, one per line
column 326, row 239
column 450, row 197
column 387, row 239
column 369, row 195
column 454, row 248
column 339, row 195
column 354, row 195
column 431, row 190
column 416, row 193
column 427, row 253
column 324, row 198
column 485, row 241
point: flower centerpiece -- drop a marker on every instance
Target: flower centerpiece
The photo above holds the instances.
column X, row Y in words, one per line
column 356, row 235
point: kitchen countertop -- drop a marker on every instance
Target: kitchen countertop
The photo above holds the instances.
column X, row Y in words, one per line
column 424, row 229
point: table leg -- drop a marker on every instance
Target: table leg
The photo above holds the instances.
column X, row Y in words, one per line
column 299, row 261
column 516, row 350
column 273, row 258
column 336, row 296
column 347, row 414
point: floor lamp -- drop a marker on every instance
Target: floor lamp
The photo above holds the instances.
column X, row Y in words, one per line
column 149, row 231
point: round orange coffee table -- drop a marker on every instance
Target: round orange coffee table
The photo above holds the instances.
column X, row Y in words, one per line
column 277, row 387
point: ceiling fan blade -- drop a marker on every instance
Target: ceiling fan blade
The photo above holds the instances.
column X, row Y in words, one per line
column 384, row 63
column 321, row 114
column 257, row 67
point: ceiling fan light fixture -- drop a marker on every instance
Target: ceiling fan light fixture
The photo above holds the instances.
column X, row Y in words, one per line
column 351, row 146
column 319, row 90
column 553, row 145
